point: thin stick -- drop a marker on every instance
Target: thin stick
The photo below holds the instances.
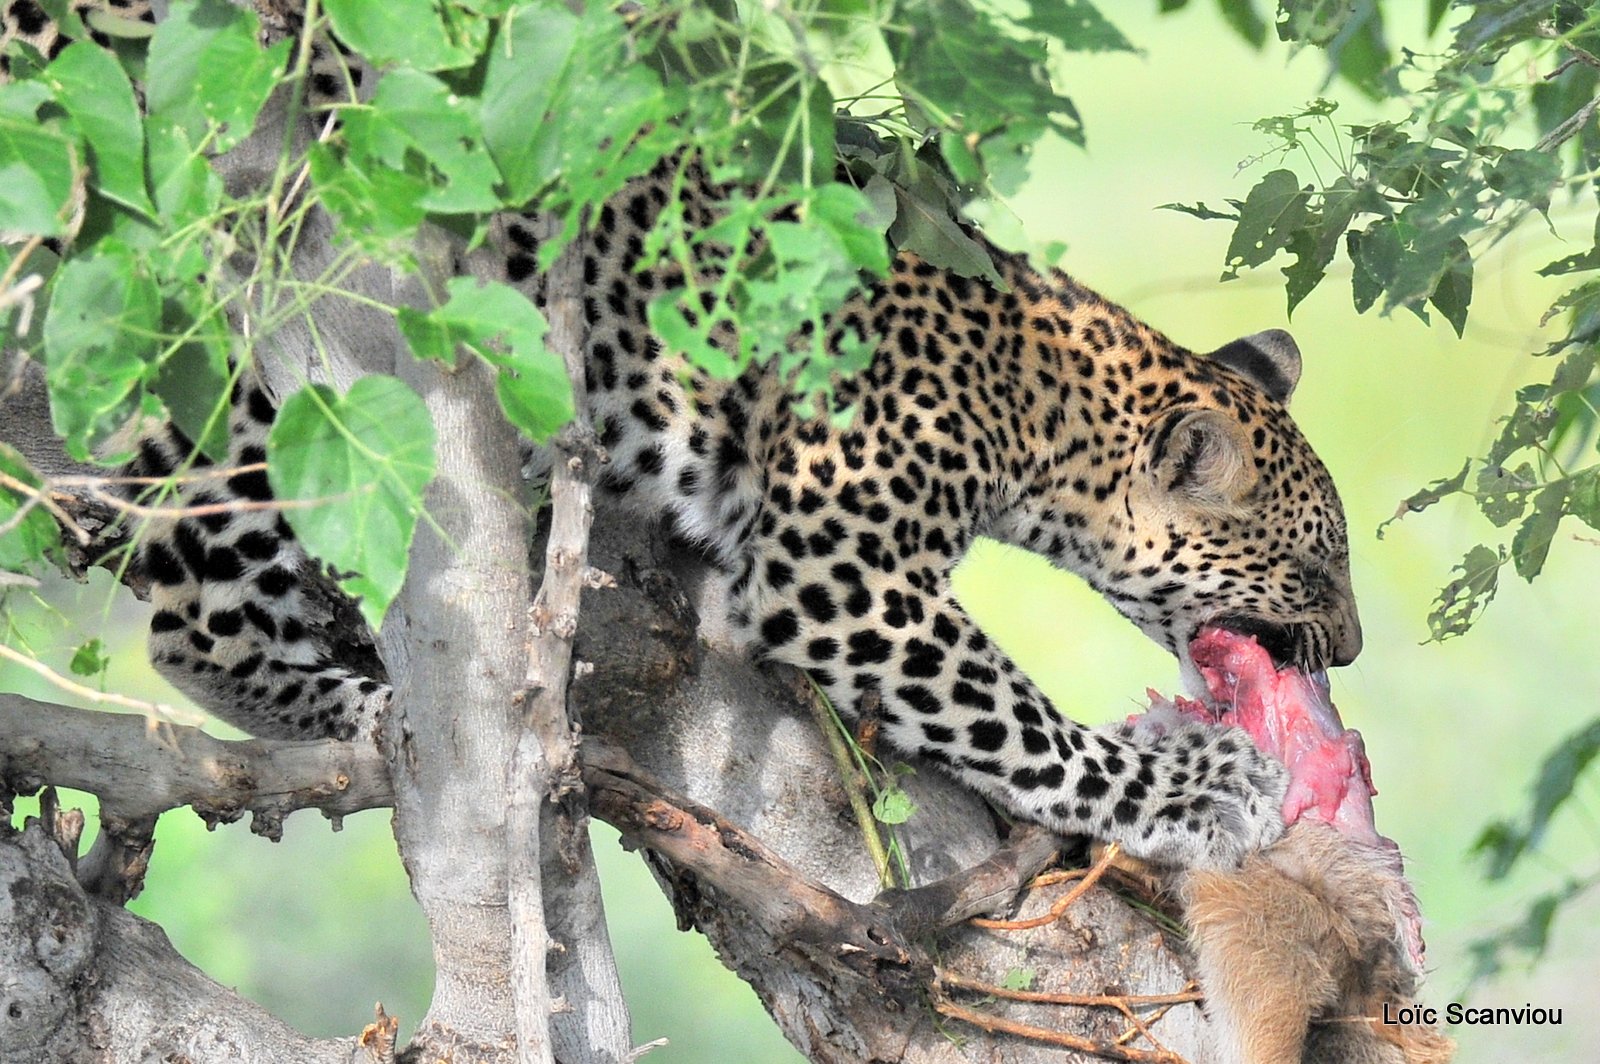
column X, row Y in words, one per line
column 1062, row 904
column 42, row 495
column 1108, row 1050
column 159, row 710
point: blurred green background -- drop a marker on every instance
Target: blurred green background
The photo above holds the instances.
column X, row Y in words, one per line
column 321, row 926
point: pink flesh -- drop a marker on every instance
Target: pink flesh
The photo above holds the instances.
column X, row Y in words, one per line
column 1290, row 716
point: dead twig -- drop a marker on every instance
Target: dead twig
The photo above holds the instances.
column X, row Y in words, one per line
column 1087, row 879
column 1001, row 1025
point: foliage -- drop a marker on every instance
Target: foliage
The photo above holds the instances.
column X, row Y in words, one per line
column 839, row 130
column 1414, row 204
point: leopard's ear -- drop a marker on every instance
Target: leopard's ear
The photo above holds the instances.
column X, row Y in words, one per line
column 1200, row 457
column 1271, row 359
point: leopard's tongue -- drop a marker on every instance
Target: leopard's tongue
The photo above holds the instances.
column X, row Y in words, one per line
column 1290, row 716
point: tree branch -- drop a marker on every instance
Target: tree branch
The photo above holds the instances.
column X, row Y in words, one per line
column 561, row 947
column 140, row 769
column 80, row 972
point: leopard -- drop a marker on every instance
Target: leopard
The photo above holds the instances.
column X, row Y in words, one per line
column 1025, row 408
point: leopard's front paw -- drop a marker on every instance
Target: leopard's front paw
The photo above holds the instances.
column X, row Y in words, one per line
column 1216, row 798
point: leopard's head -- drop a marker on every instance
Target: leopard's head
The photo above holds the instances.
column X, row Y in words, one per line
column 1233, row 520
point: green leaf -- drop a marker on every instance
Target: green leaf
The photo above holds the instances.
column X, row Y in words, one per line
column 1317, row 240
column 1436, row 10
column 193, row 382
column 1529, row 935
column 1526, row 175
column 1425, row 498
column 789, row 124
column 89, row 659
column 1076, row 25
column 1584, row 500
column 186, row 188
column 64, row 18
column 379, row 209
column 1429, row 249
column 1531, row 545
column 1503, row 843
column 1453, row 293
column 99, row 340
column 41, row 168
column 563, row 99
column 1375, row 254
column 423, row 34
column 417, row 124
column 503, row 328
column 1243, row 18
column 923, row 226
column 30, row 539
column 95, row 91
column 363, row 460
column 207, row 71
column 1268, row 219
column 893, row 806
column 975, row 81
column 1462, row 600
column 1559, row 775
column 1503, row 493
column 1019, row 979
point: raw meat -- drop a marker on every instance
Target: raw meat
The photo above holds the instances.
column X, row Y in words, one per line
column 1290, row 716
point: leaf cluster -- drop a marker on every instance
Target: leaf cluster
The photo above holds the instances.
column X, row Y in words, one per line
column 827, row 133
column 1412, row 205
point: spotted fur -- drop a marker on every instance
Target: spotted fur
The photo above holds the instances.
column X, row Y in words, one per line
column 1038, row 413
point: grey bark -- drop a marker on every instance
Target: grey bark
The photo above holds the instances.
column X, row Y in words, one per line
column 455, row 646
column 87, row 982
column 556, row 903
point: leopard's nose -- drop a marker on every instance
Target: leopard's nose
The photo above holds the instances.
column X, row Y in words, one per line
column 1346, row 639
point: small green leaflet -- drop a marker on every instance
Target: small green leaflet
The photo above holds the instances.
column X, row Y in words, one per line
column 563, row 100
column 502, row 327
column 362, row 461
column 1076, row 25
column 208, row 71
column 805, row 270
column 92, row 87
column 893, row 806
column 1425, row 498
column 1464, row 599
column 416, row 124
column 930, row 233
column 1019, row 979
column 186, row 188
column 989, row 92
column 1531, row 545
column 1503, row 843
column 89, row 659
column 1204, row 213
column 379, row 209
